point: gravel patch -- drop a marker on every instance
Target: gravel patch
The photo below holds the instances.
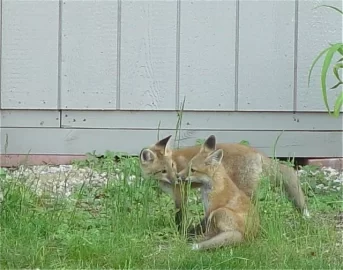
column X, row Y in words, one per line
column 331, row 179
column 62, row 180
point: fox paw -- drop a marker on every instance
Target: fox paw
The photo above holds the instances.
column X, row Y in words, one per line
column 195, row 246
column 306, row 213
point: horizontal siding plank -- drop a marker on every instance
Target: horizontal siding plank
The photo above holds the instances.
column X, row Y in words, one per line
column 201, row 120
column 29, row 68
column 80, row 141
column 148, row 55
column 89, row 54
column 266, row 55
column 207, row 55
column 317, row 28
column 29, row 118
column 167, row 120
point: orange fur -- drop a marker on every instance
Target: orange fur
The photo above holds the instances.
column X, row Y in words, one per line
column 243, row 164
column 229, row 207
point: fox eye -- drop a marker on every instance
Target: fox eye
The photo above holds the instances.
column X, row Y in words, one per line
column 164, row 171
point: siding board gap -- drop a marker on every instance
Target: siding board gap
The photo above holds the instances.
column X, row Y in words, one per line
column 237, row 55
column 178, row 50
column 118, row 55
column 295, row 56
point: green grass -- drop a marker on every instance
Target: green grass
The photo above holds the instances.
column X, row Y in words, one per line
column 125, row 226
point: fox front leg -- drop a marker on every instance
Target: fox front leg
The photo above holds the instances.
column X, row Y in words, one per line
column 178, row 218
column 175, row 192
column 180, row 198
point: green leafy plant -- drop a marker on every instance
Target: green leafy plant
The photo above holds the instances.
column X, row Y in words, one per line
column 199, row 141
column 329, row 53
column 2, row 173
column 244, row 142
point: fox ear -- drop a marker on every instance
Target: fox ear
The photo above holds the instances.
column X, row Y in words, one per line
column 163, row 145
column 147, row 156
column 215, row 158
column 210, row 144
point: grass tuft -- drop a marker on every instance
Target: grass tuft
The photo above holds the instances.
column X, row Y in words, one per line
column 129, row 224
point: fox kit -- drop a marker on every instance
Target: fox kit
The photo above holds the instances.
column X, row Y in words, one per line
column 242, row 163
column 158, row 161
column 229, row 209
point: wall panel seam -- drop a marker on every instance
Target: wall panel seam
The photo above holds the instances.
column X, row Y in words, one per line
column 118, row 54
column 295, row 54
column 236, row 55
column 59, row 60
column 178, row 52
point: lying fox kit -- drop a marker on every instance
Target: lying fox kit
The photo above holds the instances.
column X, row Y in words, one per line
column 228, row 207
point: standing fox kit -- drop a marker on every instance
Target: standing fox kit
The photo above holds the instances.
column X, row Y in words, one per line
column 243, row 164
column 229, row 209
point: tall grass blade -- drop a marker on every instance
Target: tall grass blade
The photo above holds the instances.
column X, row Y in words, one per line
column 275, row 143
column 179, row 123
column 338, row 105
column 158, row 130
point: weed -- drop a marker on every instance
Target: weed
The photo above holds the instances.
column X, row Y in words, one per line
column 330, row 52
column 244, row 142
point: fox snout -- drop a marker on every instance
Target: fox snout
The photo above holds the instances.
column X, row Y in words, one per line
column 166, row 180
column 180, row 177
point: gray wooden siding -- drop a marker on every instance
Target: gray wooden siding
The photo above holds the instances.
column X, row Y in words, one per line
column 29, row 60
column 207, row 56
column 78, row 76
column 148, row 55
column 266, row 55
column 88, row 54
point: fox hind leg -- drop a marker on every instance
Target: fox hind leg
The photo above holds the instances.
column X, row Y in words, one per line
column 198, row 229
column 221, row 239
column 223, row 225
